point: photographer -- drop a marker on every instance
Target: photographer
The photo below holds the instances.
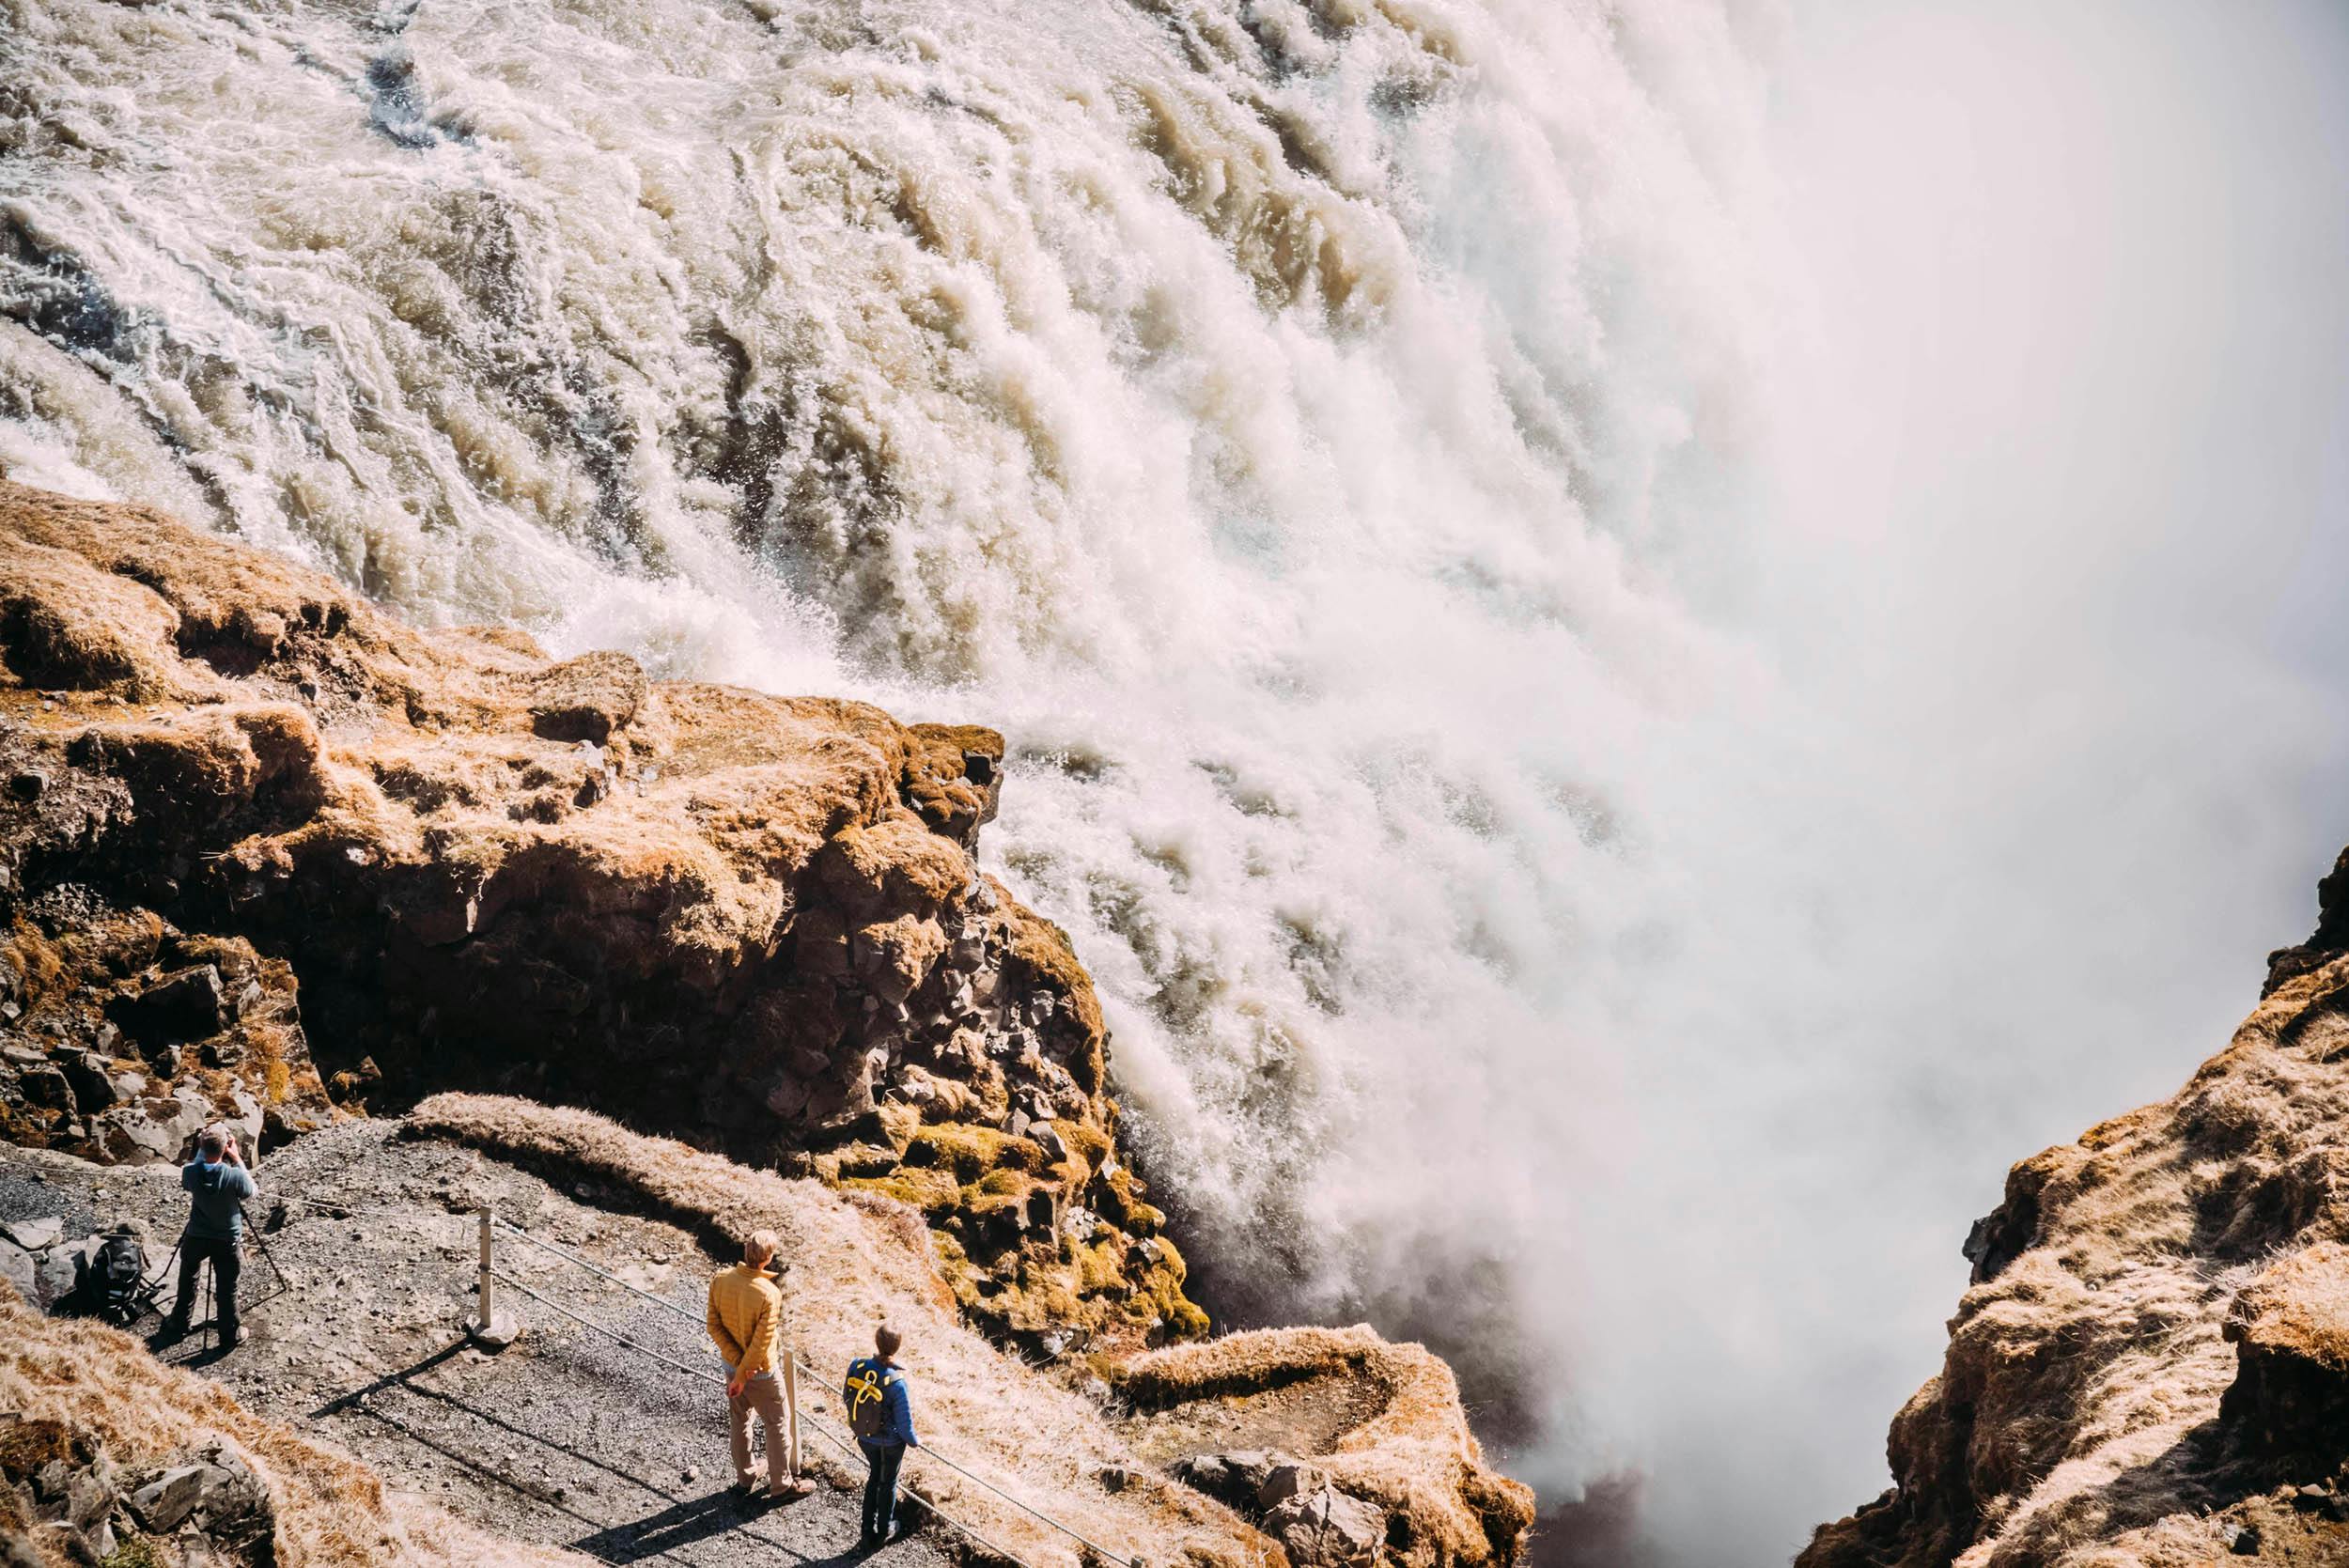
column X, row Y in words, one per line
column 218, row 1188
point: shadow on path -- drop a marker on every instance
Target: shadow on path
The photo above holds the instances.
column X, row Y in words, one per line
column 720, row 1518
column 688, row 1521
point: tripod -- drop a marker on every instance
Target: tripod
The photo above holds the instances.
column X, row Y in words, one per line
column 260, row 1243
column 182, row 1311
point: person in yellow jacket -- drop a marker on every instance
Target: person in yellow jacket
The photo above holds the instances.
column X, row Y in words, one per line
column 746, row 1324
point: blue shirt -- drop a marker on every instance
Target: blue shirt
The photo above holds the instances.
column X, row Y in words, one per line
column 867, row 1374
column 215, row 1194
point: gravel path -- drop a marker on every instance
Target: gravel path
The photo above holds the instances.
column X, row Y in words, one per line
column 565, row 1438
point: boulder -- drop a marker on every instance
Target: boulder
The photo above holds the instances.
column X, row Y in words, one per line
column 1324, row 1527
column 19, row 1270
column 163, row 1503
column 154, row 1132
column 60, row 1272
column 34, row 1234
column 217, row 1495
column 1288, row 1479
column 94, row 1089
column 188, row 1004
column 45, row 1086
column 2290, row 1327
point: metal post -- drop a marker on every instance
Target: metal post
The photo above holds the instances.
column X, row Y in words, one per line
column 487, row 1315
column 488, row 1327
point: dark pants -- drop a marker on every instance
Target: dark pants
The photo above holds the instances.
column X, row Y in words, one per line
column 228, row 1262
column 881, row 1486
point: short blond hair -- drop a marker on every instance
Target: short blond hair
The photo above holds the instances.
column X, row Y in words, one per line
column 759, row 1246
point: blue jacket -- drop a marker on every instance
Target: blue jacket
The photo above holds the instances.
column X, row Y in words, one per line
column 215, row 1193
column 871, row 1377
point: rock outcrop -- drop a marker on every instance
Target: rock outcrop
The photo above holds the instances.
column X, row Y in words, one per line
column 1390, row 1473
column 2151, row 1365
column 266, row 850
column 1368, row 1456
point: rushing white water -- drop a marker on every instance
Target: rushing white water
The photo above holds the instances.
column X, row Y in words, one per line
column 1325, row 435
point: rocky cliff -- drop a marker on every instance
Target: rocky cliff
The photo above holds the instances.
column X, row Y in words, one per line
column 2152, row 1364
column 268, row 854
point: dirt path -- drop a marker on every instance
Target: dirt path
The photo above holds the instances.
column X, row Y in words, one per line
column 565, row 1438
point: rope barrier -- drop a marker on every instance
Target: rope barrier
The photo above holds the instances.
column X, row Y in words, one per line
column 810, row 1367
column 814, row 1422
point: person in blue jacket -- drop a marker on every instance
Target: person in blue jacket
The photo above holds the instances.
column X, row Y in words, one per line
column 218, row 1188
column 881, row 1417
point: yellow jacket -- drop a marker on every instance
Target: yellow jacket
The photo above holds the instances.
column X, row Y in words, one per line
column 746, row 1318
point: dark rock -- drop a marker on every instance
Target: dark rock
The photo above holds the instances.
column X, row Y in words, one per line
column 185, row 1005
column 93, row 1088
column 2246, row 1542
column 29, row 784
column 46, row 1086
column 219, row 1495
column 162, row 1504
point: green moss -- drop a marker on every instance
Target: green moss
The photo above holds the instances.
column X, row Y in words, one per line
column 1100, row 1265
column 1120, row 1202
column 1087, row 1143
column 133, row 1551
column 970, row 1152
column 933, row 1192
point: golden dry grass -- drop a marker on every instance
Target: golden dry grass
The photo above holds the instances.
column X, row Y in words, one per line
column 2076, row 1420
column 332, row 1511
column 859, row 1258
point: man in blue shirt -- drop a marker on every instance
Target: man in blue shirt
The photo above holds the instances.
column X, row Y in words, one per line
column 881, row 1417
column 218, row 1188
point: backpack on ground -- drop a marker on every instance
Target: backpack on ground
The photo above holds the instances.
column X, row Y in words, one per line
column 117, row 1276
column 867, row 1393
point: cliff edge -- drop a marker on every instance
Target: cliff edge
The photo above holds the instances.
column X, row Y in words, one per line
column 266, row 851
column 2150, row 1366
column 272, row 856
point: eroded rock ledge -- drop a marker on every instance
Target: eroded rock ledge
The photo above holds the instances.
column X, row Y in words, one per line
column 271, row 854
column 2151, row 1365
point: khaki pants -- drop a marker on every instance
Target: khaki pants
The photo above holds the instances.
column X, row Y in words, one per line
column 775, row 1398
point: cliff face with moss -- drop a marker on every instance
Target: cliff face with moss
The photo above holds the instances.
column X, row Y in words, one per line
column 272, row 856
column 2152, row 1364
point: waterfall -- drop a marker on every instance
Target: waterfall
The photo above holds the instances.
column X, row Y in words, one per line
column 1329, row 437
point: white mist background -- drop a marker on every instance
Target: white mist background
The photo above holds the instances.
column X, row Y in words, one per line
column 2047, row 584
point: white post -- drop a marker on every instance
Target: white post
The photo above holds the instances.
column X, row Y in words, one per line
column 486, row 1317
column 488, row 1329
